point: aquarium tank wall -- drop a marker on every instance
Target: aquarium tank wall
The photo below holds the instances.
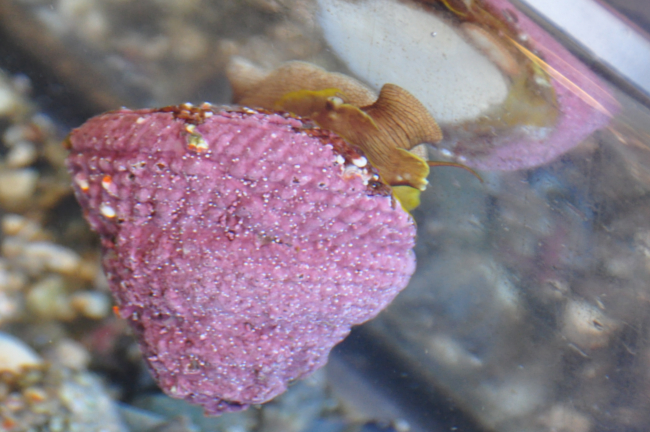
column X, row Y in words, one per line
column 324, row 215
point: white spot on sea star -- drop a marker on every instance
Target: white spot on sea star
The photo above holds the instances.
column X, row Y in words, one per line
column 107, row 211
column 360, row 162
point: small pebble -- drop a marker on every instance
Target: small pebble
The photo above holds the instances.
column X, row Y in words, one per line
column 18, row 225
column 11, row 280
column 401, row 425
column 14, row 134
column 17, row 186
column 514, row 397
column 7, row 101
column 88, row 270
column 91, row 304
column 34, row 395
column 21, row 155
column 14, row 354
column 452, row 354
column 587, row 326
column 48, row 299
column 51, row 398
column 69, row 353
column 562, row 418
column 12, row 104
column 39, row 256
column 9, row 307
column 57, row 258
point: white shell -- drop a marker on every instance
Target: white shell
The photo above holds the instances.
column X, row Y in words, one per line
column 386, row 41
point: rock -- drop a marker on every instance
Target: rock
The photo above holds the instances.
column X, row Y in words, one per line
column 587, row 326
column 69, row 353
column 91, row 304
column 15, row 355
column 17, row 186
column 21, row 155
column 38, row 256
column 48, row 299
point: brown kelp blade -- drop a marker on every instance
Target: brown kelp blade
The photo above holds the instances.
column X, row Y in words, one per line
column 407, row 196
column 455, row 165
column 293, row 77
column 403, row 118
column 384, row 129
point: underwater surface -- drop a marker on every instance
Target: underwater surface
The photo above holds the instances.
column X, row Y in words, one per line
column 522, row 160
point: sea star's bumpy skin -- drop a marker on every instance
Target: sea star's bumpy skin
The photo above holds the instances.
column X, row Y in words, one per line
column 240, row 245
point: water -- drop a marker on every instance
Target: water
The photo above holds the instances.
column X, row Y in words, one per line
column 528, row 310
